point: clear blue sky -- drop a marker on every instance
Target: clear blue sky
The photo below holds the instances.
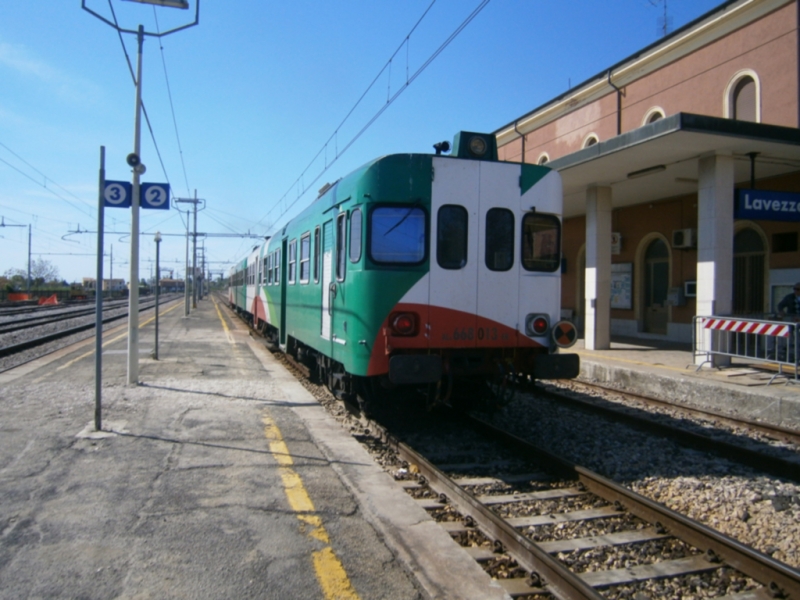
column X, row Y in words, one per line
column 257, row 90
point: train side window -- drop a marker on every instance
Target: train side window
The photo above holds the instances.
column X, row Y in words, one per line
column 316, row 255
column 499, row 239
column 355, row 235
column 305, row 257
column 264, row 270
column 341, row 230
column 292, row 261
column 277, row 262
column 268, row 263
column 541, row 242
column 397, row 235
column 451, row 236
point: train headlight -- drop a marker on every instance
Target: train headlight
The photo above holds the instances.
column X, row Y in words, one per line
column 477, row 145
column 404, row 323
column 536, row 324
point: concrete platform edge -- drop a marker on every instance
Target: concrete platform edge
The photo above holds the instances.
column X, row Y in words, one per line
column 407, row 529
column 695, row 392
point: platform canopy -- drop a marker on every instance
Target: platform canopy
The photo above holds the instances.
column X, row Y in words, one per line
column 660, row 160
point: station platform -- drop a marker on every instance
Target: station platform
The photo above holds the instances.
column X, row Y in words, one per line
column 216, row 476
column 665, row 371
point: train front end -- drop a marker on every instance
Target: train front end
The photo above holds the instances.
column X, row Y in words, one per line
column 488, row 307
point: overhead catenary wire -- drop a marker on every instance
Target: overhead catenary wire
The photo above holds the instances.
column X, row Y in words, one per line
column 300, row 183
column 39, row 183
column 171, row 105
column 133, row 77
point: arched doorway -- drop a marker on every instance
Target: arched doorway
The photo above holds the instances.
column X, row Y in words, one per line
column 656, row 286
column 749, row 256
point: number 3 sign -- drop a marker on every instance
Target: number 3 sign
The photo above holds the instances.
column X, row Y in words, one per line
column 117, row 194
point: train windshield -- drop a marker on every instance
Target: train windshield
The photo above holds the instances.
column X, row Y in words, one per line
column 397, row 235
column 541, row 242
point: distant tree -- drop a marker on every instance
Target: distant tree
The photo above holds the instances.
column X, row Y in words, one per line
column 42, row 271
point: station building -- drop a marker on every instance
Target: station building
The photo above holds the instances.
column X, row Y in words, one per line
column 681, row 174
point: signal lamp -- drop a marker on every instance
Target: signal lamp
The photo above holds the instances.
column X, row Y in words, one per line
column 477, row 145
column 536, row 324
column 404, row 324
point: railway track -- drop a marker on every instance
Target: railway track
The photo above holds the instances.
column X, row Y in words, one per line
column 545, row 527
column 19, row 324
column 532, row 518
column 583, row 396
column 86, row 322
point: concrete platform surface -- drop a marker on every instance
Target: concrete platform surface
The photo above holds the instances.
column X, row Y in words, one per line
column 218, row 476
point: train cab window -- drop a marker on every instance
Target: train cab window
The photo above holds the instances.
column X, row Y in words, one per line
column 355, row 236
column 499, row 239
column 451, row 236
column 341, row 230
column 305, row 257
column 316, row 255
column 397, row 235
column 292, row 261
column 276, row 262
column 541, row 242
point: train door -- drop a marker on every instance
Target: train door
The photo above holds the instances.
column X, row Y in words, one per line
column 498, row 286
column 337, row 295
column 454, row 253
column 327, row 280
column 283, row 289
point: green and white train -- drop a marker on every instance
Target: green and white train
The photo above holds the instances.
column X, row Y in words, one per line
column 418, row 270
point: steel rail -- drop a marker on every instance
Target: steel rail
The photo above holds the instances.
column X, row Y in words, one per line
column 773, row 465
column 18, row 324
column 560, row 580
column 774, row 431
column 33, row 343
column 776, row 576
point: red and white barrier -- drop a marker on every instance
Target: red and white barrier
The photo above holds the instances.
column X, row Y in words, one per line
column 740, row 326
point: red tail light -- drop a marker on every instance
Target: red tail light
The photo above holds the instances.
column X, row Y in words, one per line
column 404, row 324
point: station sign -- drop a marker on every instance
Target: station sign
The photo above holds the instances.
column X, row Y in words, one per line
column 154, row 195
column 119, row 194
column 766, row 205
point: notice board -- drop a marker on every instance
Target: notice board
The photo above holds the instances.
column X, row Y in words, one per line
column 622, row 286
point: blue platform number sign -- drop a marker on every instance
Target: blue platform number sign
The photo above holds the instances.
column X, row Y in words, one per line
column 117, row 194
column 154, row 195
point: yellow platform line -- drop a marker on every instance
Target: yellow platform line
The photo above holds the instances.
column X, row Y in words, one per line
column 222, row 320
column 111, row 341
column 332, row 577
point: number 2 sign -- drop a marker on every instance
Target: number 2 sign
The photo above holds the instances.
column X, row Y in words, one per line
column 154, row 195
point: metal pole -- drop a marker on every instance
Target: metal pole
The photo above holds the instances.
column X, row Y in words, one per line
column 98, row 301
column 194, row 255
column 158, row 285
column 186, row 275
column 29, row 260
column 133, row 295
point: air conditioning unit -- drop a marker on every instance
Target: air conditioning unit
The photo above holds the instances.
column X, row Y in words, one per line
column 684, row 238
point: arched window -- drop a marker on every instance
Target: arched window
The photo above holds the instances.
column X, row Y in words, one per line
column 744, row 100
column 543, row 159
column 743, row 97
column 591, row 140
